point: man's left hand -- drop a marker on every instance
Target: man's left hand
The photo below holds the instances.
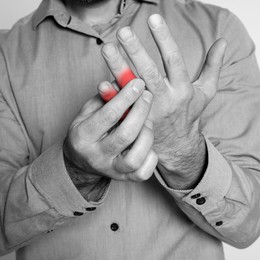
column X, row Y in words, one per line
column 178, row 103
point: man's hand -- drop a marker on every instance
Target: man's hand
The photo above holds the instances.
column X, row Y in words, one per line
column 178, row 103
column 100, row 147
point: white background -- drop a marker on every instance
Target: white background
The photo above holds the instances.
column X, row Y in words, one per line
column 249, row 13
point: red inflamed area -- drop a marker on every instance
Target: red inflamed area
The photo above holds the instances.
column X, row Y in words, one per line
column 123, row 80
column 108, row 95
column 125, row 77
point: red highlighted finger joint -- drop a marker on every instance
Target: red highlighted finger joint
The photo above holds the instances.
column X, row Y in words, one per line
column 125, row 77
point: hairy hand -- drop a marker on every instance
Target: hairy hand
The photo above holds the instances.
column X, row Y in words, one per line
column 178, row 102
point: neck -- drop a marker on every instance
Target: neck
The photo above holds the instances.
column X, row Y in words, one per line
column 95, row 12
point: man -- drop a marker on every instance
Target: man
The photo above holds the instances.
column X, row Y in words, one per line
column 77, row 176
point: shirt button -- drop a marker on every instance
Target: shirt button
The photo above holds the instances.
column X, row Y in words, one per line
column 219, row 223
column 77, row 214
column 90, row 209
column 201, row 201
column 99, row 41
column 196, row 196
column 114, row 227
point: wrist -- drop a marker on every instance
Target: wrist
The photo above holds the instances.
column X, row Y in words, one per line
column 184, row 167
column 79, row 176
column 90, row 186
column 71, row 157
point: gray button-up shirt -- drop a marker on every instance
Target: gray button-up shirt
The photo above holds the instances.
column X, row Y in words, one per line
column 50, row 65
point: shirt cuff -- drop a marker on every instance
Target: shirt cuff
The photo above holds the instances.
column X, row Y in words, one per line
column 51, row 179
column 213, row 186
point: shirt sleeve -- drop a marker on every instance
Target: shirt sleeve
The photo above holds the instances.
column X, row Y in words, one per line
column 36, row 196
column 226, row 201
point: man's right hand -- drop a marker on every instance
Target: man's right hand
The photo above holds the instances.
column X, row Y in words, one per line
column 100, row 147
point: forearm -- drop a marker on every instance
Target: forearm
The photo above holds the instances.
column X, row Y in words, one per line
column 225, row 202
column 37, row 198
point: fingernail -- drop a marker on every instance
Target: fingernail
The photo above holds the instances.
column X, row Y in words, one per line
column 110, row 50
column 125, row 34
column 155, row 21
column 149, row 124
column 147, row 96
column 138, row 86
column 104, row 87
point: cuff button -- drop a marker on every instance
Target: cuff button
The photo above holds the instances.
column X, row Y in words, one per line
column 201, row 201
column 77, row 214
column 219, row 223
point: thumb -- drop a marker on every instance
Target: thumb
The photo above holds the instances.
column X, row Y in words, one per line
column 211, row 70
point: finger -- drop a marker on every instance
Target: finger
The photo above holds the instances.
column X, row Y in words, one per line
column 147, row 169
column 107, row 91
column 135, row 157
column 117, row 64
column 126, row 133
column 171, row 55
column 115, row 85
column 146, row 67
column 107, row 116
column 212, row 67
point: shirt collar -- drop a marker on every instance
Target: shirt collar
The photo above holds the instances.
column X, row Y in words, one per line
column 57, row 9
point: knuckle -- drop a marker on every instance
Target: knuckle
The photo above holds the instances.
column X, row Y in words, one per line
column 132, row 163
column 142, row 176
column 116, row 63
column 73, row 141
column 175, row 58
column 143, row 109
column 85, row 107
column 134, row 48
column 151, row 73
column 124, row 138
column 128, row 97
column 145, row 177
column 136, row 178
column 177, row 61
column 109, row 148
column 109, row 116
column 79, row 141
column 81, row 133
column 78, row 131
